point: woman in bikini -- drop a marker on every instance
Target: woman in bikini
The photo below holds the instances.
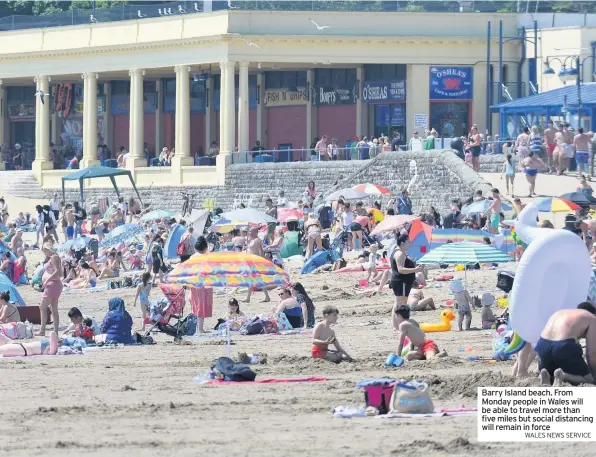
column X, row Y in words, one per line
column 86, row 278
column 52, row 289
column 8, row 348
column 8, row 312
column 530, row 166
column 110, row 267
column 313, row 229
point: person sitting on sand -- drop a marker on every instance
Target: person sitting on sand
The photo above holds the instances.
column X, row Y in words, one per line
column 8, row 311
column 293, row 310
column 324, row 335
column 487, row 317
column 110, row 267
column 421, row 348
column 463, row 303
column 416, row 299
column 86, row 278
column 9, row 348
column 77, row 319
column 117, row 324
column 561, row 356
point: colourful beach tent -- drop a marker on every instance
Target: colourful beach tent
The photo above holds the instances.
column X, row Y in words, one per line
column 420, row 238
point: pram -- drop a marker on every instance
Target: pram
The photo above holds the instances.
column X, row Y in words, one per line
column 170, row 307
column 341, row 239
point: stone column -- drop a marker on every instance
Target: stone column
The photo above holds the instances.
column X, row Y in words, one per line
column 310, row 82
column 243, row 113
column 222, row 102
column 136, row 125
column 359, row 124
column 177, row 112
column 108, row 120
column 89, row 120
column 208, row 112
column 2, row 117
column 227, row 116
column 42, row 129
column 159, row 117
column 182, row 157
column 55, row 121
column 260, row 110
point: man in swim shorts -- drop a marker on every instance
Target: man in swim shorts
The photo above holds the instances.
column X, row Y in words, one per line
column 324, row 335
column 561, row 356
column 494, row 210
column 582, row 145
column 550, row 144
column 422, row 348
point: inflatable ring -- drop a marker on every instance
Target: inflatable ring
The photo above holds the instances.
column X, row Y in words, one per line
column 515, row 346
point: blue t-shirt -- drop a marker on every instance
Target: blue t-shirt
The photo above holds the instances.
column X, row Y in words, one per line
column 296, row 311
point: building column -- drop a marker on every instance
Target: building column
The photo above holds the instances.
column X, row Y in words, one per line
column 243, row 113
column 108, row 120
column 89, row 120
column 260, row 110
column 359, row 124
column 159, row 117
column 182, row 157
column 55, row 121
column 208, row 112
column 227, row 118
column 136, row 125
column 310, row 82
column 42, row 129
column 2, row 117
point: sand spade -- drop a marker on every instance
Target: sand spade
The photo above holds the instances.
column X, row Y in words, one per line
column 229, row 270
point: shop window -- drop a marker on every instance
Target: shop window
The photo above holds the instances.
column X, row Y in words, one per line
column 169, row 86
column 300, row 79
column 273, row 80
column 197, row 89
column 120, row 88
column 372, row 72
column 216, row 82
column 338, row 77
column 350, row 78
column 385, row 72
column 323, row 77
column 289, row 80
column 21, row 94
column 149, row 87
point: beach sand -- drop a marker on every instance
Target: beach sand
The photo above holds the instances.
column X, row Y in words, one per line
column 142, row 401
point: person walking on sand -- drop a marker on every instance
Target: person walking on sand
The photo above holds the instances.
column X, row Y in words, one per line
column 403, row 270
column 52, row 289
column 550, row 144
column 509, row 173
column 201, row 299
column 255, row 246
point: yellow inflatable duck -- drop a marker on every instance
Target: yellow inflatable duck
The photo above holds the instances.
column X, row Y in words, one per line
column 446, row 317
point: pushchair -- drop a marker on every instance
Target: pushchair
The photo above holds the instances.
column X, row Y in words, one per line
column 170, row 307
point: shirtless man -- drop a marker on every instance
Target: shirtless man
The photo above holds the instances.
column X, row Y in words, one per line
column 324, row 335
column 561, row 356
column 560, row 150
column 550, row 144
column 582, row 145
column 569, row 142
column 495, row 211
column 584, row 226
column 8, row 348
column 421, row 348
column 256, row 247
column 70, row 222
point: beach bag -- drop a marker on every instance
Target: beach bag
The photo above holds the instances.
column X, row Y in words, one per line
column 377, row 393
column 254, row 326
column 181, row 249
column 270, row 326
column 282, row 321
column 232, row 371
column 411, row 398
column 189, row 325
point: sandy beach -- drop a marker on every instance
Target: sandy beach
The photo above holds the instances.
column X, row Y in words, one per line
column 143, row 401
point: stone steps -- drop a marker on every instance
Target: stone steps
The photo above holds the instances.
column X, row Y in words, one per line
column 21, row 184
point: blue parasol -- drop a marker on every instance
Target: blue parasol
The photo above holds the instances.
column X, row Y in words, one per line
column 121, row 234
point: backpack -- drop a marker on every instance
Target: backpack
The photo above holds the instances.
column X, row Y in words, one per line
column 254, row 326
column 189, row 325
column 232, row 371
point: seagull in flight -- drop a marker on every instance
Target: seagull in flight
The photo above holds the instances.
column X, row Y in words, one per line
column 181, row 10
column 92, row 19
column 230, row 6
column 41, row 96
column 169, row 11
column 197, row 7
column 250, row 43
column 140, row 15
column 319, row 27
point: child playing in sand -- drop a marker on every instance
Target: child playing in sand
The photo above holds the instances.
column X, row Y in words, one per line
column 143, row 290
column 324, row 336
column 463, row 303
column 421, row 348
column 487, row 316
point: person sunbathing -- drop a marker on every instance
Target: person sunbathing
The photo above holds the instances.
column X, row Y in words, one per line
column 418, row 302
column 86, row 278
column 8, row 348
column 8, row 311
column 561, row 356
column 324, row 335
column 421, row 347
column 111, row 266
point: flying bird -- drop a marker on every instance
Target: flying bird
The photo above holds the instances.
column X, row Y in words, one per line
column 92, row 19
column 181, row 10
column 141, row 15
column 230, row 6
column 319, row 27
column 197, row 7
column 41, row 96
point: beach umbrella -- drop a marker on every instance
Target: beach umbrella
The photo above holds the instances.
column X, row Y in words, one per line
column 393, row 223
column 283, row 214
column 75, row 243
column 347, row 194
column 121, row 234
column 481, row 206
column 7, row 285
column 227, row 269
column 372, row 189
column 579, row 198
column 247, row 216
column 556, row 205
column 157, row 215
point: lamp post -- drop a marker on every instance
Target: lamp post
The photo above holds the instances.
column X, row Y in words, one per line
column 571, row 68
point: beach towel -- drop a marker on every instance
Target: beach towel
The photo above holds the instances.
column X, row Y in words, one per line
column 270, row 381
column 437, row 412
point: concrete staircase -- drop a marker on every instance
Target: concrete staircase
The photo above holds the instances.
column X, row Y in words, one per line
column 21, row 184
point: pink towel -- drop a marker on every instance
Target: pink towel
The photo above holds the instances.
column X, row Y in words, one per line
column 269, row 381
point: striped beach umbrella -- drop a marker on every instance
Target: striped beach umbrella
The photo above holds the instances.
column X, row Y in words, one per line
column 466, row 253
column 556, row 205
column 372, row 189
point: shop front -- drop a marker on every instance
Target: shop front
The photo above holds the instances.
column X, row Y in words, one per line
column 120, row 116
column 286, row 122
column 386, row 107
column 20, row 111
column 451, row 92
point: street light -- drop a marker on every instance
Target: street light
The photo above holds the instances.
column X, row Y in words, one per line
column 570, row 72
